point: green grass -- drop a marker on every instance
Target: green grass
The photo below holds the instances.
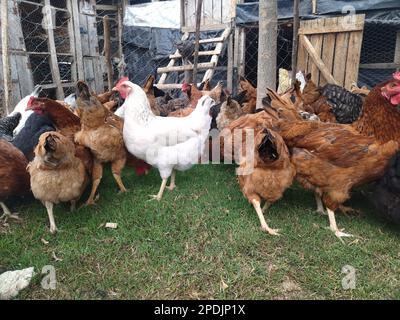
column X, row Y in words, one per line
column 202, row 241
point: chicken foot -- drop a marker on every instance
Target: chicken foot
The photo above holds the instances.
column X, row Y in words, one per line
column 172, row 184
column 116, row 168
column 349, row 210
column 96, row 178
column 49, row 208
column 320, row 206
column 160, row 193
column 264, row 225
column 333, row 225
column 7, row 213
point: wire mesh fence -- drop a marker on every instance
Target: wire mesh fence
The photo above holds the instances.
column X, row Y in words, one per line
column 284, row 49
column 139, row 51
column 36, row 18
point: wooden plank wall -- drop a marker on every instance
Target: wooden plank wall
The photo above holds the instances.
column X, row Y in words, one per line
column 216, row 14
column 21, row 76
column 337, row 41
column 87, row 62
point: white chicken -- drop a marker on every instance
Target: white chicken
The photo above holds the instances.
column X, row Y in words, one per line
column 167, row 143
column 21, row 108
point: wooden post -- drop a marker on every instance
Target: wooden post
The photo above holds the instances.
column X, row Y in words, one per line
column 229, row 75
column 78, row 41
column 267, row 48
column 296, row 24
column 397, row 51
column 197, row 44
column 314, row 6
column 5, row 57
column 182, row 7
column 55, row 71
column 107, row 50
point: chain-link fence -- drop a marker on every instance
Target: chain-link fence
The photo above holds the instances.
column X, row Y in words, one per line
column 34, row 25
column 284, row 49
column 138, row 51
column 378, row 52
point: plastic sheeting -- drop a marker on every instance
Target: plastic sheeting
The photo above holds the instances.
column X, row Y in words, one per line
column 381, row 11
column 146, row 49
column 164, row 14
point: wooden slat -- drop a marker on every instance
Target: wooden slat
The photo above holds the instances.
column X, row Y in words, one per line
column 212, row 40
column 212, row 27
column 379, row 65
column 78, row 40
column 74, row 75
column 229, row 76
column 333, row 29
column 172, row 61
column 106, row 7
column 316, row 59
column 302, row 55
column 316, row 41
column 328, row 49
column 353, row 55
column 214, row 59
column 341, row 48
column 201, row 53
column 63, row 85
column 206, row 65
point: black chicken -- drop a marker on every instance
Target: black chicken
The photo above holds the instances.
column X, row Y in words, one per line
column 27, row 139
column 186, row 49
column 387, row 193
column 7, row 126
column 345, row 105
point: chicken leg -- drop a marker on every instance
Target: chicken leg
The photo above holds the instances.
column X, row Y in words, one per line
column 116, row 168
column 160, row 193
column 7, row 213
column 320, row 206
column 172, row 184
column 333, row 225
column 97, row 174
column 264, row 225
column 49, row 207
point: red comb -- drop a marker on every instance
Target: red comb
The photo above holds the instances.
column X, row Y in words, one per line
column 30, row 101
column 123, row 79
column 185, row 86
column 396, row 75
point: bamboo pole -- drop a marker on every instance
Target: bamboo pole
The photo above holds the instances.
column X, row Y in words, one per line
column 107, row 50
column 267, row 48
column 5, row 57
column 197, row 39
column 296, row 25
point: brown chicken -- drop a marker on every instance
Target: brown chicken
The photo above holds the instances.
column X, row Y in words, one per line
column 315, row 103
column 148, row 89
column 57, row 175
column 379, row 115
column 265, row 173
column 66, row 122
column 194, row 95
column 230, row 110
column 332, row 159
column 251, row 95
column 14, row 179
column 104, row 140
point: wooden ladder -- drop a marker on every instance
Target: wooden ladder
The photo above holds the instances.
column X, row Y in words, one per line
column 208, row 66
